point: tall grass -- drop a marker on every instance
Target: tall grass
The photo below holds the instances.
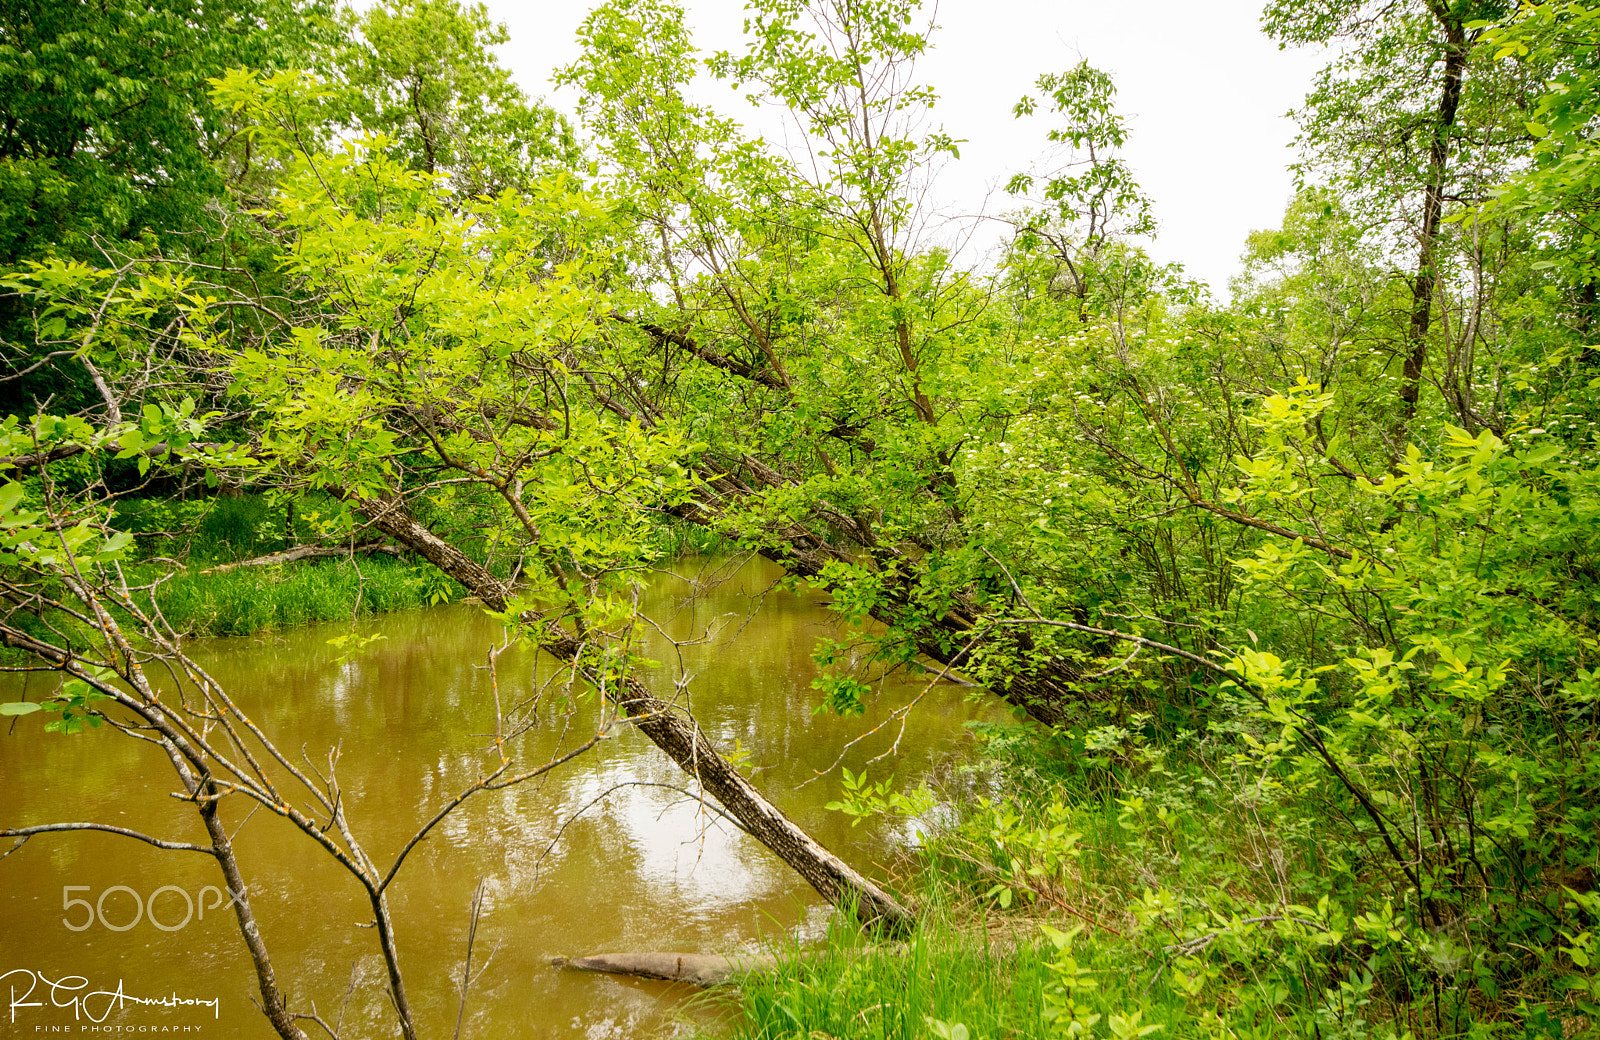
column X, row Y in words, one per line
column 677, row 540
column 952, row 977
column 206, row 532
column 251, row 599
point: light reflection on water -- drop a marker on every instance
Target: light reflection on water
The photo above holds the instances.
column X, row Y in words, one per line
column 643, row 868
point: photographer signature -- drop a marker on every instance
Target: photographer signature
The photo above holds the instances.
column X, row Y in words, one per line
column 65, row 993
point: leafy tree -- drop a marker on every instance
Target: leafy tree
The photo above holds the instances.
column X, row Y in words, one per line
column 107, row 142
column 1090, row 200
column 437, row 369
column 423, row 72
column 1387, row 126
column 108, row 127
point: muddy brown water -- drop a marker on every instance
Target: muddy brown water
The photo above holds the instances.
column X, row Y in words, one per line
column 643, row 868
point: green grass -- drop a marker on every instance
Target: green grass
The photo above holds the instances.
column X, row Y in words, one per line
column 947, row 977
column 252, row 599
column 205, row 532
column 677, row 540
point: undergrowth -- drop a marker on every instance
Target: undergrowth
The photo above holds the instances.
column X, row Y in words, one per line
column 947, row 981
column 1095, row 885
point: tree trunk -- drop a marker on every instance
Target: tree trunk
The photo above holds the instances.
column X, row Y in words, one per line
column 673, row 730
column 1427, row 275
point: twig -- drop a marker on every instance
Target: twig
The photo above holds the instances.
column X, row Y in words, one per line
column 1195, row 945
column 22, row 834
column 466, row 967
column 301, row 552
column 1117, row 668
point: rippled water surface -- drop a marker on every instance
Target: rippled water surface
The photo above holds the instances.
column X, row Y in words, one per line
column 586, row 859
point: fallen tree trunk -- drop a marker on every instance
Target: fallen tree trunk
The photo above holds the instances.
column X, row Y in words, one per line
column 671, row 728
column 696, row 969
column 303, row 552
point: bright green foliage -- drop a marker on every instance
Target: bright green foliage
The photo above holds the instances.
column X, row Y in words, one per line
column 1560, row 193
column 438, row 313
column 1564, row 35
column 945, row 984
column 864, row 799
column 1095, row 187
column 1072, row 242
column 73, row 701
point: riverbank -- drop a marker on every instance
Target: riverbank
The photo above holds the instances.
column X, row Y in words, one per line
column 213, row 595
column 1093, row 886
column 250, row 600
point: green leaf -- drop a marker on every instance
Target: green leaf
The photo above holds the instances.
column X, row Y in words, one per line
column 132, row 442
column 19, row 708
column 10, row 494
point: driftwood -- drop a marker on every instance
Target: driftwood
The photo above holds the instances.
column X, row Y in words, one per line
column 304, row 552
column 696, row 969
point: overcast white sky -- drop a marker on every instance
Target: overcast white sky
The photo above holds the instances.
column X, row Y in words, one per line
column 1204, row 91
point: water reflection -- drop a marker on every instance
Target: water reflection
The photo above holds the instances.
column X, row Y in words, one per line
column 642, row 868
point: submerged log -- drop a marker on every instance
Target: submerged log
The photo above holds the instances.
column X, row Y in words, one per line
column 696, row 969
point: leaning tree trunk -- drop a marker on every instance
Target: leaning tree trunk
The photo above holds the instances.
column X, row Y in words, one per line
column 1045, row 690
column 673, row 730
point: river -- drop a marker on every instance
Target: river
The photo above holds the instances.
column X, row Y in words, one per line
column 642, row 868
